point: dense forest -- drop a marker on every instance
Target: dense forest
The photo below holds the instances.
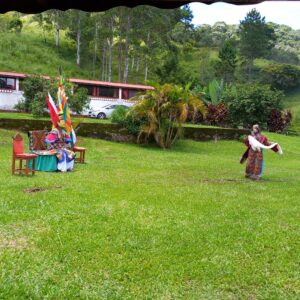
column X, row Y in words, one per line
column 225, row 65
column 135, row 45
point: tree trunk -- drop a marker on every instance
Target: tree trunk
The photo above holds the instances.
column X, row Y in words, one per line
column 125, row 77
column 111, row 40
column 250, row 68
column 57, row 30
column 44, row 34
column 146, row 70
column 103, row 59
column 95, row 49
column 120, row 54
column 106, row 62
column 132, row 63
column 146, row 58
column 120, row 61
column 137, row 67
column 78, row 42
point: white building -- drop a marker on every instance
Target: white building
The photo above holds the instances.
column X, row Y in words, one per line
column 101, row 92
column 10, row 91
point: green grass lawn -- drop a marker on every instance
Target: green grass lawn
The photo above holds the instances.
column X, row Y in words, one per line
column 142, row 223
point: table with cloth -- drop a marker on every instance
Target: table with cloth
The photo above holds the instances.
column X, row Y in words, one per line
column 46, row 159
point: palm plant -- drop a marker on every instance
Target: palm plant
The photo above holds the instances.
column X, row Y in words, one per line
column 163, row 111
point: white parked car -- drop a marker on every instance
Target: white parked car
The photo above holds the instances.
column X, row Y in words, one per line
column 105, row 112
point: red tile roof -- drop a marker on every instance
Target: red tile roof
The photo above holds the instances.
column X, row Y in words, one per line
column 19, row 75
column 13, row 74
column 112, row 84
column 87, row 82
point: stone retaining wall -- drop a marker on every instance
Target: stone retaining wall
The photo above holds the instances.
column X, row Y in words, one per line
column 114, row 132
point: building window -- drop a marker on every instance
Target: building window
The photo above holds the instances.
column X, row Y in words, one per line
column 128, row 93
column 108, row 92
column 125, row 93
column 132, row 93
column 7, row 83
column 88, row 87
column 101, row 91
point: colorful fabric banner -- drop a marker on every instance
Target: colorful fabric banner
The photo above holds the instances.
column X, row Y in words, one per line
column 52, row 110
column 62, row 113
column 64, row 108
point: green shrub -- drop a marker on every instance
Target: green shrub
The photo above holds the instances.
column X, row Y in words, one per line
column 15, row 25
column 251, row 103
column 32, row 86
column 122, row 117
column 20, row 106
column 38, row 105
column 119, row 114
column 283, row 56
column 281, row 76
column 36, row 89
column 79, row 100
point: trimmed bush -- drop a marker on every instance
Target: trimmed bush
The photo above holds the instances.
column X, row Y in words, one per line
column 121, row 116
column 252, row 103
column 79, row 100
column 38, row 105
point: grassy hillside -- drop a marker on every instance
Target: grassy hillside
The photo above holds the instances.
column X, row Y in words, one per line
column 27, row 52
column 292, row 101
column 152, row 224
column 34, row 52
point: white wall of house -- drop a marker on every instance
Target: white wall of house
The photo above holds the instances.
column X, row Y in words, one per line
column 8, row 99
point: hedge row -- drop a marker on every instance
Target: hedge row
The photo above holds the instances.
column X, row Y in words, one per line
column 115, row 132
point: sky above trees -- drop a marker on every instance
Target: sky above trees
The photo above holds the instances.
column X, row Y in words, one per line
column 280, row 12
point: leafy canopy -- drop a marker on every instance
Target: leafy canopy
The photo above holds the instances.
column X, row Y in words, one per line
column 256, row 37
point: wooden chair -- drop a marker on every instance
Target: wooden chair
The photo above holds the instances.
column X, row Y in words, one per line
column 18, row 154
column 37, row 140
column 81, row 151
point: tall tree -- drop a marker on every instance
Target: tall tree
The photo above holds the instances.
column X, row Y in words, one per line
column 79, row 30
column 226, row 65
column 44, row 22
column 110, row 46
column 256, row 38
column 104, row 58
column 57, row 15
column 97, row 21
column 127, row 42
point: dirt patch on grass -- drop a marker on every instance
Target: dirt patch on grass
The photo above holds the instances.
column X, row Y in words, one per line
column 16, row 244
column 41, row 189
column 223, row 181
column 110, row 157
